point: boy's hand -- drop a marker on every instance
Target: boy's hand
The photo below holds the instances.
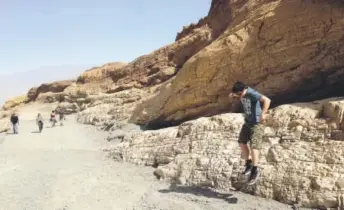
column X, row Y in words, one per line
column 262, row 117
column 232, row 95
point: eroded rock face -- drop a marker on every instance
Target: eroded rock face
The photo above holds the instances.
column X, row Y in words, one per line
column 54, row 87
column 288, row 50
column 108, row 109
column 4, row 125
column 98, row 74
column 4, row 114
column 13, row 102
column 164, row 63
column 50, row 97
column 302, row 159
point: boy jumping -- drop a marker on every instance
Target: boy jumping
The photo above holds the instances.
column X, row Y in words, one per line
column 253, row 129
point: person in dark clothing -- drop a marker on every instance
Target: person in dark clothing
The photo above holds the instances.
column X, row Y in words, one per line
column 39, row 121
column 15, row 123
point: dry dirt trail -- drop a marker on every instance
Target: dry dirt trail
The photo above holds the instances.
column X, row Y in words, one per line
column 65, row 168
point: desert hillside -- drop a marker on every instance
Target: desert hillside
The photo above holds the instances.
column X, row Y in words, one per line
column 292, row 51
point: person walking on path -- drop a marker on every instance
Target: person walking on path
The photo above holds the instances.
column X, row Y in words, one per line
column 61, row 117
column 253, row 129
column 39, row 121
column 15, row 123
column 53, row 118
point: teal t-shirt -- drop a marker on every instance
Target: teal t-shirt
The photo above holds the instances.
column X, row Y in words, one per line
column 251, row 104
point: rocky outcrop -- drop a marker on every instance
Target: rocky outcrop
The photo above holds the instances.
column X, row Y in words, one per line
column 4, row 121
column 151, row 69
column 13, row 102
column 54, row 87
column 107, row 110
column 164, row 63
column 4, row 114
column 302, row 158
column 50, row 97
column 4, row 125
column 288, row 50
column 67, row 108
column 98, row 74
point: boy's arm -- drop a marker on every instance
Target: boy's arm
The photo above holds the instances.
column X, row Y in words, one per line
column 262, row 98
column 266, row 103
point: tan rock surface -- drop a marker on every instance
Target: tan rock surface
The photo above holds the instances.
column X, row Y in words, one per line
column 288, row 50
column 301, row 161
column 4, row 113
column 104, row 109
column 150, row 69
column 54, row 87
column 162, row 64
column 50, row 97
column 4, row 125
column 97, row 74
column 13, row 102
column 67, row 108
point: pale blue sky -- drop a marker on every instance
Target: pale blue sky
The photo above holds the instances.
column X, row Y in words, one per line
column 39, row 33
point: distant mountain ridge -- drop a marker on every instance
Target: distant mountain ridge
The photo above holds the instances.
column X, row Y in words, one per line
column 18, row 83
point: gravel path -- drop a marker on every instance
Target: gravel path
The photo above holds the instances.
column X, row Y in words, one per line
column 64, row 168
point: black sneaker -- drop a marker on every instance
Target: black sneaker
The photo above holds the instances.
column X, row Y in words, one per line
column 248, row 168
column 253, row 177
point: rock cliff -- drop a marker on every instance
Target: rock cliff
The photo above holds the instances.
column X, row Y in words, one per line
column 288, row 50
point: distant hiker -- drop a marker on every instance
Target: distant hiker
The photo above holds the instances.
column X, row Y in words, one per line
column 253, row 129
column 53, row 118
column 39, row 121
column 15, row 123
column 61, row 117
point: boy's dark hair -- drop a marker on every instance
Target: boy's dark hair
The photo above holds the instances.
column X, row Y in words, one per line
column 238, row 87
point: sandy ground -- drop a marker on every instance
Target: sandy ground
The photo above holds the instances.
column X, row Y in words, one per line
column 64, row 168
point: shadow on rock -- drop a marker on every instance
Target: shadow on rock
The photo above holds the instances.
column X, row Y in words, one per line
column 201, row 192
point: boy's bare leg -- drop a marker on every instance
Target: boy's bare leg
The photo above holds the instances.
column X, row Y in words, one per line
column 255, row 157
column 245, row 152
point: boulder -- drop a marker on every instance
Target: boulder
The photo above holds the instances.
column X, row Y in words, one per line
column 67, row 108
column 335, row 111
column 269, row 45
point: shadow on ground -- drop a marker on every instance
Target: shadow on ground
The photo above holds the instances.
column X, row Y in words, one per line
column 205, row 192
column 35, row 132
